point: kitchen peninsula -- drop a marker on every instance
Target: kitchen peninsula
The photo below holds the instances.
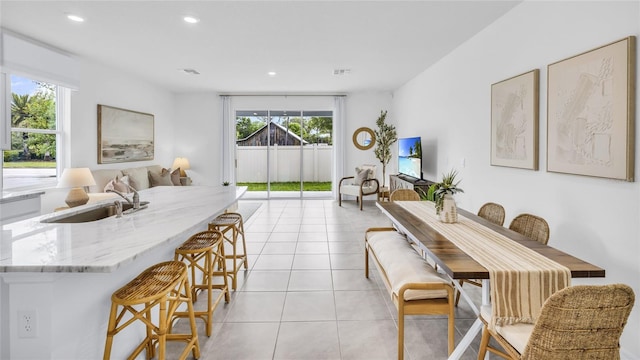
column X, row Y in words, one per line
column 64, row 273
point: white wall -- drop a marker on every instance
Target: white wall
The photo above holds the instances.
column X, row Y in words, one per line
column 449, row 106
column 363, row 109
column 109, row 86
column 198, row 135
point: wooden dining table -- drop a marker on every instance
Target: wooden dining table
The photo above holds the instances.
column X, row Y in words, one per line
column 458, row 265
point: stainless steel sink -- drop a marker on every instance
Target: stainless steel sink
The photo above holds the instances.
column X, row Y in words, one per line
column 94, row 214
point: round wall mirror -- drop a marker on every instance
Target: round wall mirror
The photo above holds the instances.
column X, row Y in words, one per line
column 364, row 138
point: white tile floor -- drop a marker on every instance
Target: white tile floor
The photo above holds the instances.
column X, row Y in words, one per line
column 305, row 295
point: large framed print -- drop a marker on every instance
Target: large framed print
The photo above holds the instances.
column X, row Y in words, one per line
column 514, row 121
column 590, row 112
column 124, row 135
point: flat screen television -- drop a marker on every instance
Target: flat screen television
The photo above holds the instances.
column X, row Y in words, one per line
column 410, row 157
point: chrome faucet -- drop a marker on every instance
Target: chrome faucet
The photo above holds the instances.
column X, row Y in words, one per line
column 136, row 197
column 118, row 206
column 121, row 195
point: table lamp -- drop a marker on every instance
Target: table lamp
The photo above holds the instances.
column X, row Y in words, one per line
column 76, row 179
column 183, row 164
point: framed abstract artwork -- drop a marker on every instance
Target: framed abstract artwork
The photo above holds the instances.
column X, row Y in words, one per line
column 124, row 135
column 590, row 112
column 514, row 121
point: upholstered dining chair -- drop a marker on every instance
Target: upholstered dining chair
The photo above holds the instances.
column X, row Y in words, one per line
column 492, row 212
column 575, row 323
column 404, row 195
column 531, row 226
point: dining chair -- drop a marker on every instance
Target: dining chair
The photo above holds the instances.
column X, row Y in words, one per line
column 577, row 322
column 404, row 195
column 531, row 226
column 492, row 212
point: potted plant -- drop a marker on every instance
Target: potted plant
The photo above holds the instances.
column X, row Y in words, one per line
column 443, row 196
column 385, row 137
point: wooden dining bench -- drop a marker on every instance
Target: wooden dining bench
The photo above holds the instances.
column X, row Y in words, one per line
column 416, row 288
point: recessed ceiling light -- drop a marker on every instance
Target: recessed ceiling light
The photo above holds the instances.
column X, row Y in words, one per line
column 271, row 73
column 191, row 19
column 75, row 18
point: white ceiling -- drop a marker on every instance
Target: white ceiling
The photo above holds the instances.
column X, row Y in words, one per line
column 384, row 43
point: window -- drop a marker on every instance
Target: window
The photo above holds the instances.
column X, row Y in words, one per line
column 35, row 134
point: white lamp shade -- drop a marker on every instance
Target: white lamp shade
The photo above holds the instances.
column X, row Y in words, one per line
column 76, row 177
column 183, row 164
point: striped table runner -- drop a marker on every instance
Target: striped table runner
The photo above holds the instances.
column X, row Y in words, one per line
column 521, row 279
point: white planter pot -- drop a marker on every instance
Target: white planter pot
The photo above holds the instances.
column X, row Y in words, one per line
column 449, row 213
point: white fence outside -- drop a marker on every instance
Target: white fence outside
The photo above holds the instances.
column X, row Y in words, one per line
column 284, row 162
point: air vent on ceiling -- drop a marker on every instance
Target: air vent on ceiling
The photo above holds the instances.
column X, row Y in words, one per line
column 340, row 72
column 191, row 71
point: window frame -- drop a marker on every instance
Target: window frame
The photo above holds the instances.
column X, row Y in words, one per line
column 62, row 101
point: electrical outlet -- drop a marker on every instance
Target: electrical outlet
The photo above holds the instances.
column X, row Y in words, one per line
column 27, row 324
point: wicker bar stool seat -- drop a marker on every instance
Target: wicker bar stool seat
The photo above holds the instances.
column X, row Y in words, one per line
column 231, row 226
column 164, row 286
column 201, row 252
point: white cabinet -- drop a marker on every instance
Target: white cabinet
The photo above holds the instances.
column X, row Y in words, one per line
column 19, row 207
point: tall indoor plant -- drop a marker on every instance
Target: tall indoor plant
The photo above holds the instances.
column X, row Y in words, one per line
column 385, row 137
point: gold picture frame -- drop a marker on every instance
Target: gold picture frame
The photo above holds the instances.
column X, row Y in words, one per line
column 124, row 135
column 515, row 104
column 591, row 112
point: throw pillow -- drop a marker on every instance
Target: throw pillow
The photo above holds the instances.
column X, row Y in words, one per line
column 118, row 184
column 138, row 177
column 361, row 175
column 160, row 179
column 175, row 177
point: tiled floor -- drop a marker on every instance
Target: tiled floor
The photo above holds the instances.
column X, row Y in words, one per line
column 305, row 295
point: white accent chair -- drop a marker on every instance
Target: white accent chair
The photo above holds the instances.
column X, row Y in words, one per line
column 362, row 184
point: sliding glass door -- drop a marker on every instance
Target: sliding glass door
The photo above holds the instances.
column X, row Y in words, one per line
column 285, row 154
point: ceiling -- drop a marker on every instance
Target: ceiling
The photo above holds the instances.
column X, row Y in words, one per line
column 236, row 43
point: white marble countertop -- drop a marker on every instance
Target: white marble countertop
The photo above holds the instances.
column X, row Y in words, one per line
column 105, row 245
column 19, row 195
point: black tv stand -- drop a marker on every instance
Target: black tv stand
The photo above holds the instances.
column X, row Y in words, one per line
column 401, row 181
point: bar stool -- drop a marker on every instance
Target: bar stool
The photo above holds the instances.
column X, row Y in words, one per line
column 205, row 245
column 166, row 286
column 232, row 222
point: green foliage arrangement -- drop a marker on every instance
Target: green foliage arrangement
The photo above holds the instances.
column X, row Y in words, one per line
column 448, row 185
column 385, row 137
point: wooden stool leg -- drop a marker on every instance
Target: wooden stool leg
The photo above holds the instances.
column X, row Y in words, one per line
column 235, row 257
column 192, row 322
column 209, row 282
column 151, row 350
column 223, row 269
column 244, row 245
column 162, row 330
column 110, row 331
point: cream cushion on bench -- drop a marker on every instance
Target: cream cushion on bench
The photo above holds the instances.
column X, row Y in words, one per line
column 403, row 265
column 415, row 287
